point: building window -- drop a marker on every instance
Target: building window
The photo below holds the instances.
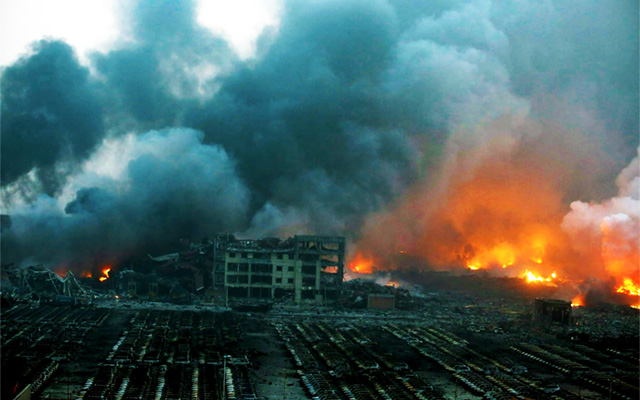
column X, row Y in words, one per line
column 290, row 280
column 279, row 268
column 261, row 279
column 278, row 280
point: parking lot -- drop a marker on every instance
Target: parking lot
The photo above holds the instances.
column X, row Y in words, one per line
column 443, row 350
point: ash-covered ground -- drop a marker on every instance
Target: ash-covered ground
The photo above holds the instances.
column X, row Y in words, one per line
column 436, row 343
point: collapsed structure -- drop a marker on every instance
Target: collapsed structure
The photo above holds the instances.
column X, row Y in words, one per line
column 302, row 268
column 46, row 284
column 223, row 270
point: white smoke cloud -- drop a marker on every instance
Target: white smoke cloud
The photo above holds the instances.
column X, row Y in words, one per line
column 611, row 227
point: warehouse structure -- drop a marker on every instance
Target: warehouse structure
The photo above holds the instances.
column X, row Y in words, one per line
column 302, row 268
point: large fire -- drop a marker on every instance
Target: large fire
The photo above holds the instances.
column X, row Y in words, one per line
column 105, row 273
column 630, row 288
column 509, row 215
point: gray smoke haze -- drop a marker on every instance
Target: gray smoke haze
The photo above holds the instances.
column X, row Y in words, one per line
column 345, row 108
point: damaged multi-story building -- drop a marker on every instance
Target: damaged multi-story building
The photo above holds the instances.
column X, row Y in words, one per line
column 302, row 268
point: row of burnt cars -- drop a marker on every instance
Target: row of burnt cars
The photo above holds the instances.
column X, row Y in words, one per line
column 174, row 355
column 97, row 353
column 480, row 373
column 503, row 374
column 610, row 372
column 345, row 363
column 36, row 340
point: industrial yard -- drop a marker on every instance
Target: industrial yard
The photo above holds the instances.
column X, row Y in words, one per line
column 323, row 200
column 445, row 346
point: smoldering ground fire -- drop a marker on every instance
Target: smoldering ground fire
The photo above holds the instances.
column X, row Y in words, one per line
column 470, row 134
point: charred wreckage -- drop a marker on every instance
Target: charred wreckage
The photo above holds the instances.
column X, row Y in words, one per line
column 222, row 271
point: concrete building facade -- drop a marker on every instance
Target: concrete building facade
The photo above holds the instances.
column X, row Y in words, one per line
column 302, row 268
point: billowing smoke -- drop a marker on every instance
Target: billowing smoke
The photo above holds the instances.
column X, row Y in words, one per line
column 137, row 192
column 610, row 231
column 458, row 131
column 51, row 116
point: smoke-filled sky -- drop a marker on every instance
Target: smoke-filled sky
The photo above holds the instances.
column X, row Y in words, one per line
column 399, row 124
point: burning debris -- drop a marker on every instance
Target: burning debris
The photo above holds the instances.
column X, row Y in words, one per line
column 577, row 301
column 361, row 265
column 105, row 274
column 532, row 278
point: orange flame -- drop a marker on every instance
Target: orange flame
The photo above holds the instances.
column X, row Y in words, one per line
column 577, row 301
column 474, row 265
column 105, row 271
column 361, row 264
column 506, row 254
column 86, row 274
column 531, row 277
column 61, row 271
column 629, row 287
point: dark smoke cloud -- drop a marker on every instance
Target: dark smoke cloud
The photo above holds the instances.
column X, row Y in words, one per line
column 154, row 79
column 172, row 186
column 347, row 106
column 308, row 116
column 51, row 113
